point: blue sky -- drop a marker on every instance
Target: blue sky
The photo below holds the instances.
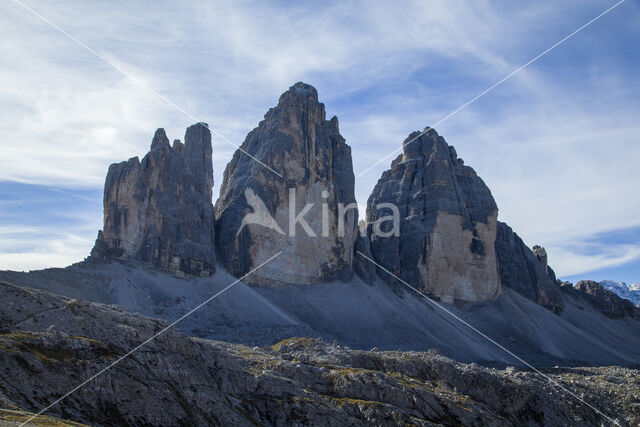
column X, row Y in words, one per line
column 557, row 143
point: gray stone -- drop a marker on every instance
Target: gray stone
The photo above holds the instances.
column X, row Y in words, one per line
column 610, row 304
column 526, row 272
column 295, row 140
column 176, row 380
column 160, row 210
column 541, row 254
column 445, row 245
column 362, row 266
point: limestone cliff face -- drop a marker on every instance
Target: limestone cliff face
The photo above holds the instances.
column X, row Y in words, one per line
column 297, row 141
column 526, row 271
column 448, row 222
column 160, row 210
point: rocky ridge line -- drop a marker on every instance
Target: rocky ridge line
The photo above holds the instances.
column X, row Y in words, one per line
column 628, row 292
column 525, row 272
column 609, row 303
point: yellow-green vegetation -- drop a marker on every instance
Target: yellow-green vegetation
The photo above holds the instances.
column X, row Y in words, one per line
column 343, row 401
column 22, row 335
column 303, row 340
column 258, row 360
column 437, row 388
column 343, row 372
column 29, row 342
column 9, row 417
column 303, row 398
column 411, row 382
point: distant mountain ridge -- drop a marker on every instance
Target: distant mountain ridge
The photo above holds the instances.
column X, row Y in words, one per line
column 629, row 292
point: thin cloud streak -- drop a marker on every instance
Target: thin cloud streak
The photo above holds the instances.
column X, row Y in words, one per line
column 557, row 144
column 572, row 262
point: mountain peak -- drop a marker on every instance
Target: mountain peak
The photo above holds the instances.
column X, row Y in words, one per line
column 299, row 93
column 173, row 228
column 159, row 139
column 448, row 219
column 607, row 299
column 316, row 171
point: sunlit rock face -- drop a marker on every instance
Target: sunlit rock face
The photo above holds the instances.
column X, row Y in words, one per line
column 160, row 210
column 296, row 141
column 445, row 239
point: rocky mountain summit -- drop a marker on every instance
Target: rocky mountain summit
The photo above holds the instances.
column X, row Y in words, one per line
column 159, row 210
column 301, row 206
column 445, row 241
column 290, row 188
column 50, row 344
column 449, row 241
column 430, row 219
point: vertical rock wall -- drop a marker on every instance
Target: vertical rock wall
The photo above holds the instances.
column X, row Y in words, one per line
column 526, row 272
column 297, row 141
column 448, row 223
column 160, row 210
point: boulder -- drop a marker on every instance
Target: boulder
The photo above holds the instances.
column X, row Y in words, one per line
column 260, row 213
column 159, row 210
column 443, row 242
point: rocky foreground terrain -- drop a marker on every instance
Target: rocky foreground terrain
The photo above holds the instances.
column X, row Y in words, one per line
column 50, row 344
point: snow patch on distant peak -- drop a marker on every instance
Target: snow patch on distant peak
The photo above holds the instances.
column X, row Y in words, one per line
column 629, row 292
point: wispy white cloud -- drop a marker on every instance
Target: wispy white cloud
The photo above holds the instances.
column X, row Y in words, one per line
column 561, row 169
column 571, row 262
column 24, row 248
column 46, row 253
column 224, row 62
column 557, row 145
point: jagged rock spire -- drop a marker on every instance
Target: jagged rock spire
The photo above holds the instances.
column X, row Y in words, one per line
column 297, row 142
column 160, row 139
column 160, row 210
